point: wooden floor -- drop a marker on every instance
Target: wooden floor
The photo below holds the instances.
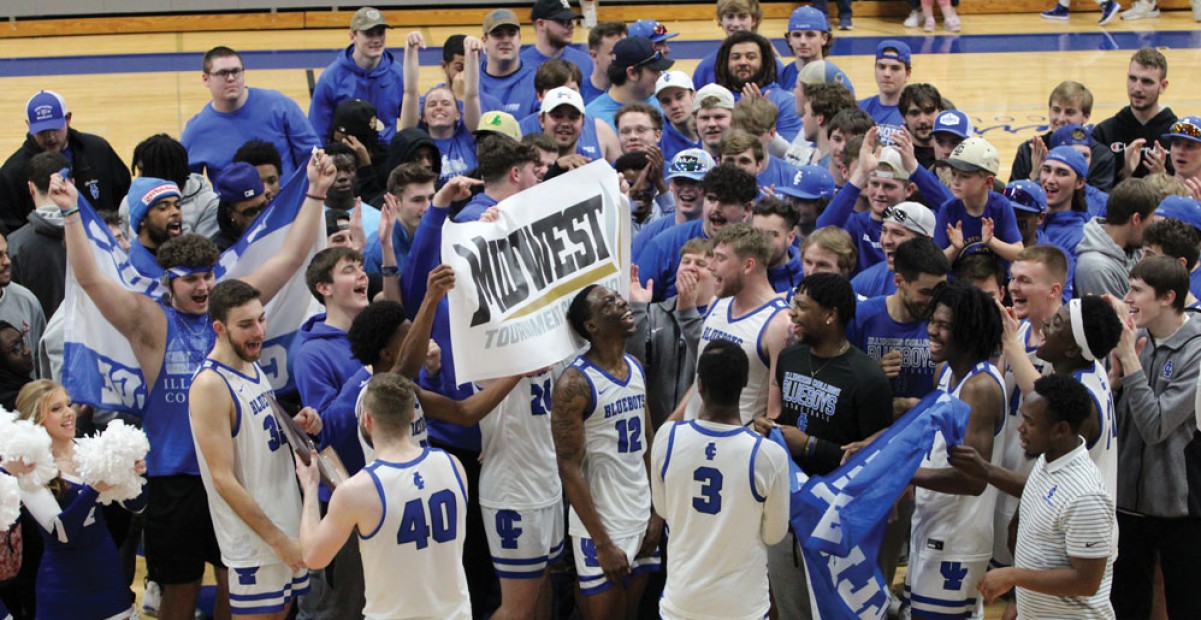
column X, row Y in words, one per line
column 1004, row 92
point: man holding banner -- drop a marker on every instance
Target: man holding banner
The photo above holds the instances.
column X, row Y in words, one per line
column 169, row 339
column 951, row 541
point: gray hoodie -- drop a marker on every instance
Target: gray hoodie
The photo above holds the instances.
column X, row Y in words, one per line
column 1101, row 265
column 666, row 345
column 1159, row 472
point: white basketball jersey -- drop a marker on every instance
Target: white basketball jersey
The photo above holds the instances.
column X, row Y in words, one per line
column 421, row 536
column 418, row 433
column 262, row 464
column 1009, row 446
column 959, row 525
column 614, row 442
column 1103, row 451
column 746, row 331
column 712, row 482
column 520, row 469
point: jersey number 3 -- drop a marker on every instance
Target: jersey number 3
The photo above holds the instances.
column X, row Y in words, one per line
column 709, row 501
column 441, row 523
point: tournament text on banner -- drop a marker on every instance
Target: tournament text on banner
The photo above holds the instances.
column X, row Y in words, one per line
column 514, row 278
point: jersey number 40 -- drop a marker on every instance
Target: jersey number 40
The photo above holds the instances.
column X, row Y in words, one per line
column 420, row 520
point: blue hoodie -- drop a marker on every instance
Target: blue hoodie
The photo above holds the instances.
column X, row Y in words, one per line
column 342, row 80
column 323, row 363
column 785, row 277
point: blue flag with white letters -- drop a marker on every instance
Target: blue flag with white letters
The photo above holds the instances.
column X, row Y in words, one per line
column 840, row 517
column 99, row 367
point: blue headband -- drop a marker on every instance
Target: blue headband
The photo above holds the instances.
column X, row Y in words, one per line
column 179, row 272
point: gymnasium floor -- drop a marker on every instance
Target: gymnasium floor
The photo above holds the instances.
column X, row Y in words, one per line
column 999, row 70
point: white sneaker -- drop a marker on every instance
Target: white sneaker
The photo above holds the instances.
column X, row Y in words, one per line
column 915, row 18
column 1141, row 9
column 1197, row 10
column 152, row 596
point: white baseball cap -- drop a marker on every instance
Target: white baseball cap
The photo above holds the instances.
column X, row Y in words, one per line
column 725, row 98
column 673, row 79
column 562, row 95
column 975, row 154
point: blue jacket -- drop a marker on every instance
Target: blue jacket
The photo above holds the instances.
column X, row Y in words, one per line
column 342, row 80
column 323, row 363
column 661, row 257
column 785, row 277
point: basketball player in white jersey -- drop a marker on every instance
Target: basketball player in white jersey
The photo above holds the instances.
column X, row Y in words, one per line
column 408, row 508
column 245, row 460
column 951, row 541
column 1074, row 339
column 748, row 312
column 601, row 432
column 721, row 521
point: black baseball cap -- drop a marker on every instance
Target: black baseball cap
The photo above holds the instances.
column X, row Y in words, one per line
column 639, row 52
column 553, row 9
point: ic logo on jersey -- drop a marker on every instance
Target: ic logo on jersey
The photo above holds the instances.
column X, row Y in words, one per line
column 710, row 451
column 1167, row 370
column 418, row 481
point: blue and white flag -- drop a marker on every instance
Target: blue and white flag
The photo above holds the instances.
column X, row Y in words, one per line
column 99, row 367
column 840, row 517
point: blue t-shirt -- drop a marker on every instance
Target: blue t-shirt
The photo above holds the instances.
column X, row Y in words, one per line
column 588, row 144
column 876, row 333
column 475, row 207
column 531, row 56
column 588, row 91
column 531, row 124
column 882, row 114
column 212, row 137
column 865, row 232
column 458, row 153
column 515, row 91
column 604, row 107
column 373, row 252
column 661, row 257
column 1005, row 226
column 874, row 281
column 778, row 173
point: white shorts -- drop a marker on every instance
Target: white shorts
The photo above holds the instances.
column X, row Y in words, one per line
column 265, row 589
column 524, row 541
column 943, row 586
column 588, row 568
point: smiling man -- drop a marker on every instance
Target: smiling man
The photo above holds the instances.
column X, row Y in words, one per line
column 1143, row 122
column 364, row 70
column 892, row 68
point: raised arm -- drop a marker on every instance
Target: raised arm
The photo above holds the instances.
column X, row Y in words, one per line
column 472, row 48
column 416, row 341
column 571, row 398
column 209, row 410
column 467, row 412
column 134, row 315
column 387, row 223
column 275, row 272
column 410, row 104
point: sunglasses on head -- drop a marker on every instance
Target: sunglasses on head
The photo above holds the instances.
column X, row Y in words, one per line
column 688, row 164
column 1186, row 128
column 895, row 214
column 1022, row 197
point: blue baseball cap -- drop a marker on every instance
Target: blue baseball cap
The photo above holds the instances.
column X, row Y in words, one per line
column 1071, row 135
column 650, row 29
column 690, row 164
column 892, row 49
column 808, row 18
column 1071, row 158
column 45, row 111
column 144, row 192
column 1187, row 128
column 953, row 122
column 238, row 181
column 1025, row 195
column 1183, row 208
column 809, row 183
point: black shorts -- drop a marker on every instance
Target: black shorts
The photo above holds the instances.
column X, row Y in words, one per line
column 178, row 531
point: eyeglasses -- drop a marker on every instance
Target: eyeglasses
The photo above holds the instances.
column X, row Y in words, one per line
column 1186, row 128
column 225, row 74
column 1022, row 197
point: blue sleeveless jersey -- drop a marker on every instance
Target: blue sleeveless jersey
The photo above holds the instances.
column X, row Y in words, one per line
column 588, row 143
column 165, row 418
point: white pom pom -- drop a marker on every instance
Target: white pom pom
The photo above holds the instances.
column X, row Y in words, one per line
column 10, row 501
column 23, row 440
column 109, row 458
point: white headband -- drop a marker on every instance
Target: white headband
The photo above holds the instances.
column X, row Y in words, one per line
column 1077, row 318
